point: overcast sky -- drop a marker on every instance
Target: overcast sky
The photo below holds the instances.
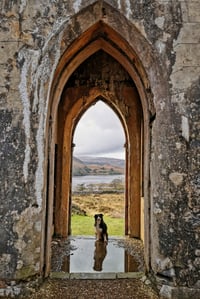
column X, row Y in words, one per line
column 99, row 133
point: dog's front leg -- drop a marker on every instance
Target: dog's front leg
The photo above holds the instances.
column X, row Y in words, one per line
column 98, row 232
column 105, row 239
column 98, row 229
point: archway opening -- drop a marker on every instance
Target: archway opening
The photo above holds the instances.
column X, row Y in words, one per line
column 98, row 172
column 110, row 81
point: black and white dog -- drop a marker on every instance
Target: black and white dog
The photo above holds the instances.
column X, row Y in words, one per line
column 100, row 228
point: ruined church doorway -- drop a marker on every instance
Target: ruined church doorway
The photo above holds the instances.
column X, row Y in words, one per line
column 99, row 71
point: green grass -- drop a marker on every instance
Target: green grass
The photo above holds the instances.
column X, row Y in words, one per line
column 84, row 225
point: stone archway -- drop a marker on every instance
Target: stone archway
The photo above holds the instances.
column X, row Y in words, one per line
column 122, row 96
column 99, row 37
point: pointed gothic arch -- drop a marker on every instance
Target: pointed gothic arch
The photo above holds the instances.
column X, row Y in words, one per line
column 101, row 36
column 68, row 123
column 93, row 138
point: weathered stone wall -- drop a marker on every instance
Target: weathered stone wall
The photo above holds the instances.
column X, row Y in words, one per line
column 33, row 36
column 177, row 206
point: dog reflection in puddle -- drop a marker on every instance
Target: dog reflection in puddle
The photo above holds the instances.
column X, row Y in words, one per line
column 101, row 242
column 99, row 255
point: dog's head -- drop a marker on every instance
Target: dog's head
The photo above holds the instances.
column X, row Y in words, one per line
column 98, row 218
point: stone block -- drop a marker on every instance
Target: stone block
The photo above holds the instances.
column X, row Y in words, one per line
column 10, row 30
column 189, row 34
column 169, row 292
column 59, row 275
column 183, row 77
column 193, row 11
column 130, row 275
column 92, row 275
column 187, row 55
column 8, row 50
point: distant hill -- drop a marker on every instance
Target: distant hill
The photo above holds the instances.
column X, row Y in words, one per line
column 97, row 166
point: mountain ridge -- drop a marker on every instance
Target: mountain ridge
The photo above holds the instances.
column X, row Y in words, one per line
column 86, row 165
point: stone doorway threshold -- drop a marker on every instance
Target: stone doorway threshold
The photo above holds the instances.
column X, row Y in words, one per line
column 82, row 257
column 63, row 275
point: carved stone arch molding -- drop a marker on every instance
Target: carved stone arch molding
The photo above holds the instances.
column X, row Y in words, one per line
column 100, row 28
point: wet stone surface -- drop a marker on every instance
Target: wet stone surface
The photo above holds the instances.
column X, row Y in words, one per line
column 86, row 255
column 123, row 252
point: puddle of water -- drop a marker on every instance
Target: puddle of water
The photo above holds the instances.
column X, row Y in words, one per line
column 86, row 255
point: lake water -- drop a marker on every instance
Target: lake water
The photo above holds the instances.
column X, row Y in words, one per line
column 95, row 179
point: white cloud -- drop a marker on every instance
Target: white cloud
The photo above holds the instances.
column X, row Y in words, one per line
column 99, row 133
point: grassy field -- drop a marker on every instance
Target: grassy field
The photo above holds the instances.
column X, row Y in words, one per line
column 110, row 205
column 84, row 225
